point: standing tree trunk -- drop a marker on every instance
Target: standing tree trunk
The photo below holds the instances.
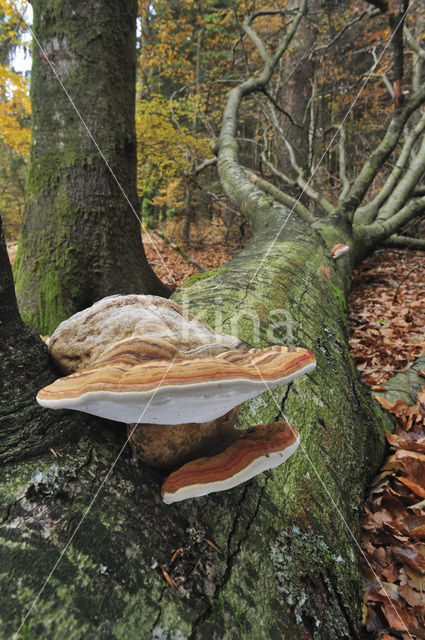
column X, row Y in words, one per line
column 81, row 238
column 298, row 94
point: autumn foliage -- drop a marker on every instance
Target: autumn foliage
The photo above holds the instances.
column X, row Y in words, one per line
column 394, row 530
column 387, row 314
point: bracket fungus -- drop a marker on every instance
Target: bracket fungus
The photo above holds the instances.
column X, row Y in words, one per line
column 257, row 449
column 179, row 394
column 339, row 250
column 82, row 339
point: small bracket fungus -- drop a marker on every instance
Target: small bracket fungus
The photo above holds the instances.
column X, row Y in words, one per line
column 258, row 449
column 180, row 394
column 339, row 250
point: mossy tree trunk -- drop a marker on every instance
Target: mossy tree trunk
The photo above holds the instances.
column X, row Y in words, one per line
column 287, row 562
column 81, row 238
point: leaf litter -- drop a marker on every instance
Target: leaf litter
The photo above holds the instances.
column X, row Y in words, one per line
column 387, row 318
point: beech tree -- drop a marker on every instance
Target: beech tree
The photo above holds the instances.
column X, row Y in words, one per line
column 80, row 238
column 87, row 547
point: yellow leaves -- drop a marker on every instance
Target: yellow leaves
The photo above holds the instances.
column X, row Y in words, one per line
column 14, row 97
column 171, row 195
column 168, row 146
column 15, row 109
column 14, row 22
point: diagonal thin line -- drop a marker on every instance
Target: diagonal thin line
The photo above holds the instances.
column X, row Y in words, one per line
column 331, row 142
column 334, row 504
column 46, row 58
column 92, row 502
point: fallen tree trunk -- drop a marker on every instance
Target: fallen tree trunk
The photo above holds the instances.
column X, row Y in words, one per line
column 286, row 557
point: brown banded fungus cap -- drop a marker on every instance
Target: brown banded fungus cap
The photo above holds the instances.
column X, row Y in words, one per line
column 151, row 381
column 339, row 250
column 83, row 338
column 259, row 448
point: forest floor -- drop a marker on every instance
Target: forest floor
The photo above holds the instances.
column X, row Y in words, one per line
column 386, row 314
column 387, row 323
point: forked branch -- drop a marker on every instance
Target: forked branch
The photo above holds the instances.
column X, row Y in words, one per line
column 235, row 182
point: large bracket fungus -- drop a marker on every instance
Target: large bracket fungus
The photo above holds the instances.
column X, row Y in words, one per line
column 179, row 385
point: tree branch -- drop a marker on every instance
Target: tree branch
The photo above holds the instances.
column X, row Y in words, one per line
column 413, row 44
column 300, row 180
column 342, row 164
column 383, row 76
column 179, row 250
column 282, row 197
column 405, row 242
column 279, row 108
column 419, row 190
column 374, row 234
column 209, row 162
column 384, row 149
column 368, row 213
column 282, row 176
column 306, row 185
column 369, row 13
column 235, row 182
column 405, row 186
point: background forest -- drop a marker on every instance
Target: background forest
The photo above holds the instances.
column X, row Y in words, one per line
column 190, row 54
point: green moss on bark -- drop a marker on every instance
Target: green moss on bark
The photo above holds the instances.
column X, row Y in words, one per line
column 198, row 277
column 80, row 234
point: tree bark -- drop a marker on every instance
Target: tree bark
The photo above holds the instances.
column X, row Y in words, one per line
column 297, row 95
column 26, row 429
column 81, row 238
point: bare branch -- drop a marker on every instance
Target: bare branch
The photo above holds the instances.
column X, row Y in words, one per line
column 369, row 13
column 282, row 176
column 279, row 108
column 405, row 186
column 419, row 190
column 267, row 59
column 179, row 250
column 379, row 230
column 342, row 164
column 306, row 185
column 256, row 40
column 234, row 181
column 284, row 198
column 405, row 242
column 173, row 95
column 301, row 181
column 373, row 164
column 368, row 213
column 383, row 76
column 413, row 44
column 209, row 162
